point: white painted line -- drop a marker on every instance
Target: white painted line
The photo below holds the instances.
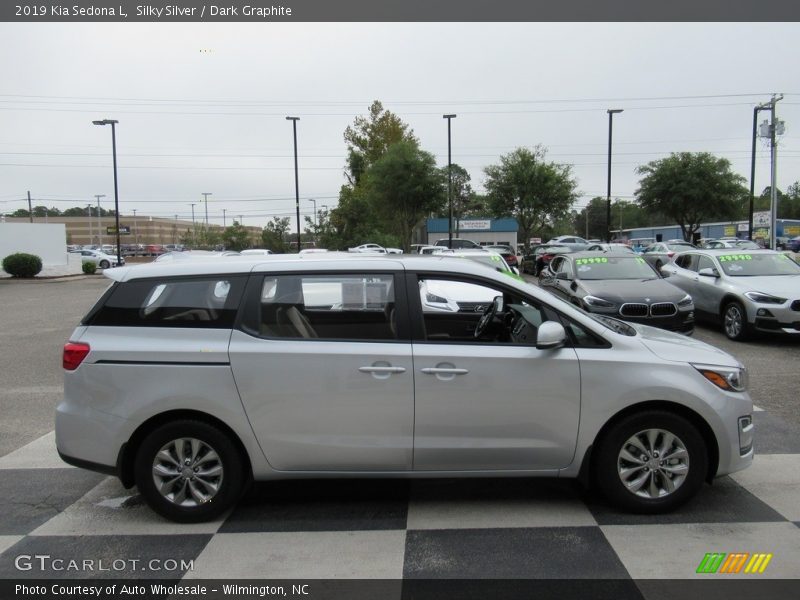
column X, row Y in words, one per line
column 39, row 454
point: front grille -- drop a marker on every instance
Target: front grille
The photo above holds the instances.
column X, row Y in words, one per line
column 633, row 310
column 663, row 309
column 796, row 305
column 473, row 307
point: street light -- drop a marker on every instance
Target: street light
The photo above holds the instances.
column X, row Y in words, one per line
column 194, row 227
column 611, row 113
column 113, row 124
column 294, row 121
column 449, row 184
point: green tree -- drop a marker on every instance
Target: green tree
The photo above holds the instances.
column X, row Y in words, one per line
column 690, row 188
column 369, row 137
column 462, row 191
column 236, row 237
column 207, row 238
column 273, row 236
column 403, row 186
column 535, row 192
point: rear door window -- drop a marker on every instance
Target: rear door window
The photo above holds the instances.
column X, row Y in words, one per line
column 206, row 302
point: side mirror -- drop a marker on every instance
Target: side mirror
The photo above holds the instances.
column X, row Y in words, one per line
column 708, row 272
column 562, row 275
column 551, row 335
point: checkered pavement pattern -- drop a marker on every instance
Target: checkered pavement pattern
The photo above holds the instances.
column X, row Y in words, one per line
column 397, row 529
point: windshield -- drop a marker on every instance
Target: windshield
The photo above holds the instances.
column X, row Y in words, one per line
column 751, row 265
column 603, row 267
column 490, row 260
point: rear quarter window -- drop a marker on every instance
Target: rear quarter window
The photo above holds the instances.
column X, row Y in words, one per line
column 206, row 302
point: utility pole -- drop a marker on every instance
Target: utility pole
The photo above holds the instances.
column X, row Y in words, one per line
column 756, row 110
column 772, row 130
column 99, row 221
column 194, row 229
column 135, row 227
column 449, row 183
column 30, row 210
column 205, row 197
column 294, row 121
column 611, row 112
column 223, row 218
column 89, row 218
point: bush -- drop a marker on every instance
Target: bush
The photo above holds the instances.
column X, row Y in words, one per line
column 89, row 267
column 22, row 265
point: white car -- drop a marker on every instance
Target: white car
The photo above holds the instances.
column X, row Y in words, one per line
column 374, row 249
column 101, row 259
column 256, row 252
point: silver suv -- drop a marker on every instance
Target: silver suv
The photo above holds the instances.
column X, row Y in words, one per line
column 190, row 379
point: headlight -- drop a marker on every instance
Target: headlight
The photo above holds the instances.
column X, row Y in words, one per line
column 598, row 302
column 730, row 379
column 434, row 298
column 685, row 301
column 764, row 298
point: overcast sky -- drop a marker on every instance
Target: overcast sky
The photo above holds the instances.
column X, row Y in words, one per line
column 201, row 107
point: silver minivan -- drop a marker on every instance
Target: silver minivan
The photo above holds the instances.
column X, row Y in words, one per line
column 190, row 379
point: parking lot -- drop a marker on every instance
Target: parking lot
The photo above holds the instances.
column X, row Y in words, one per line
column 384, row 529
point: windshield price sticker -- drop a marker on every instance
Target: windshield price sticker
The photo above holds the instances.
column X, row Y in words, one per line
column 591, row 261
column 734, row 257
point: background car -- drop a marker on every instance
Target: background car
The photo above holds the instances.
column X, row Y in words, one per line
column 743, row 244
column 793, row 244
column 457, row 243
column 747, row 291
column 661, row 253
column 544, row 254
column 613, row 247
column 620, row 285
column 101, row 259
column 574, row 242
column 507, row 252
column 374, row 249
column 260, row 251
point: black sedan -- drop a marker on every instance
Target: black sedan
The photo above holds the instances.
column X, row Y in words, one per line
column 536, row 262
column 622, row 286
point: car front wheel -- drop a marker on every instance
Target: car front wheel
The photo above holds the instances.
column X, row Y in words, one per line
column 104, row 264
column 734, row 321
column 189, row 471
column 651, row 462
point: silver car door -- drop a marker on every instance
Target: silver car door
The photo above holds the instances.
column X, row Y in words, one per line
column 322, row 371
column 491, row 405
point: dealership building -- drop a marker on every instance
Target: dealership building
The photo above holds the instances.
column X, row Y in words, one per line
column 486, row 232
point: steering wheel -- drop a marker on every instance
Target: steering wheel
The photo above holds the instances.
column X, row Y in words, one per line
column 486, row 318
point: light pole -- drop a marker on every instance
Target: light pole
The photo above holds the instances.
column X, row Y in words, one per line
column 175, row 231
column 223, row 218
column 113, row 124
column 611, row 113
column 294, row 121
column 135, row 227
column 205, row 197
column 99, row 221
column 449, row 183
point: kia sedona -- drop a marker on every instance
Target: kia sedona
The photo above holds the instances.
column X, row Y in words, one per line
column 190, row 379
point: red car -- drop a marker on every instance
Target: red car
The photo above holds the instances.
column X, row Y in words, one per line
column 154, row 249
column 507, row 253
column 544, row 254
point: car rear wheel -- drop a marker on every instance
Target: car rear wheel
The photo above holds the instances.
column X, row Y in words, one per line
column 104, row 264
column 651, row 462
column 659, row 264
column 734, row 321
column 189, row 471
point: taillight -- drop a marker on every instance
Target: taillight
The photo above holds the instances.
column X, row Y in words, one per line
column 670, row 254
column 74, row 353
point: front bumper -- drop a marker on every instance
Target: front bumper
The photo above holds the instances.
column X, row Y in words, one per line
column 771, row 318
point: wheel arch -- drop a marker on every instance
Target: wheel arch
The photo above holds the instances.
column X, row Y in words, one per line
column 712, row 444
column 127, row 454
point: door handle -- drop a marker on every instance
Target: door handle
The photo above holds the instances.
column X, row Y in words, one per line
column 445, row 371
column 382, row 369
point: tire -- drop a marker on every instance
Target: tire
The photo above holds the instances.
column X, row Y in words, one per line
column 734, row 321
column 188, row 497
column 104, row 264
column 659, row 264
column 657, row 487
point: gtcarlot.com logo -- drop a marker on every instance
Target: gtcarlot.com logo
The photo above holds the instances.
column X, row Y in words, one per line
column 734, row 563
